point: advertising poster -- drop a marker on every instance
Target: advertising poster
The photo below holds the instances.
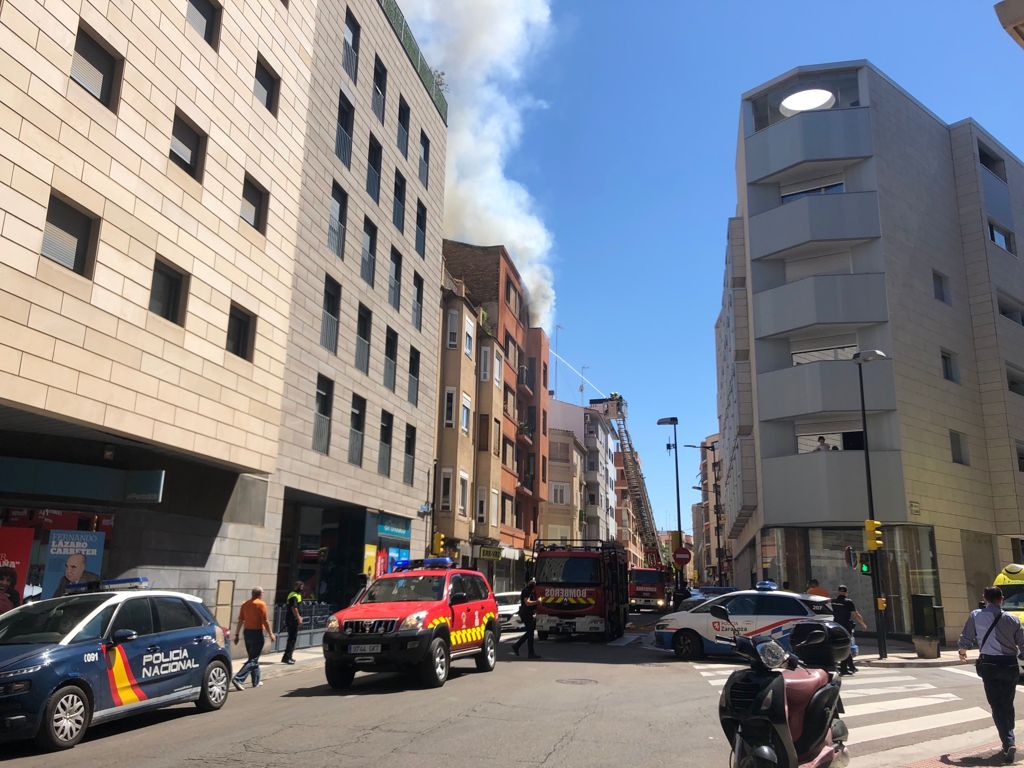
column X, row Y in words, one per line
column 72, row 557
column 394, row 555
column 380, row 567
column 369, row 559
column 15, row 550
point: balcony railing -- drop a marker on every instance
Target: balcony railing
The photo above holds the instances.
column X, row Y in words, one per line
column 398, row 214
column 373, row 183
column 329, row 332
column 527, row 380
column 421, row 241
column 424, row 171
column 343, row 146
column 403, row 140
column 368, row 267
column 408, row 471
column 336, row 238
column 378, row 103
column 363, row 354
column 389, row 373
column 417, row 314
column 350, row 60
column 355, row 447
column 394, row 292
column 384, row 460
column 414, row 389
column 321, row 432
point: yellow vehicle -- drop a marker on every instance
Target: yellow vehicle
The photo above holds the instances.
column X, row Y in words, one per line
column 1011, row 581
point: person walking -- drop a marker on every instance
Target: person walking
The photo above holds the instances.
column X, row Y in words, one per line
column 1002, row 640
column 844, row 612
column 528, row 603
column 292, row 620
column 814, row 589
column 252, row 618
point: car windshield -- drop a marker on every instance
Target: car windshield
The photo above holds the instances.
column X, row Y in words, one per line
column 645, row 577
column 568, row 570
column 48, row 621
column 405, row 589
column 1013, row 597
column 510, row 599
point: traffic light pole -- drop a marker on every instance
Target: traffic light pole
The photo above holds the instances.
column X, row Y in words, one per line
column 876, row 577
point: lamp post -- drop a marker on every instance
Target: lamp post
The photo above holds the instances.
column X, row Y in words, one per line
column 876, row 578
column 718, row 507
column 674, row 446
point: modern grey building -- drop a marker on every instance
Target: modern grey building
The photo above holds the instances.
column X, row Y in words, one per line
column 865, row 222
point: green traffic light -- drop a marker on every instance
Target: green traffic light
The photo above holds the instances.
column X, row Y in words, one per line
column 865, row 568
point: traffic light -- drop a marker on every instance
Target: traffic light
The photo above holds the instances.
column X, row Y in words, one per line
column 873, row 529
column 865, row 564
column 881, row 603
column 438, row 543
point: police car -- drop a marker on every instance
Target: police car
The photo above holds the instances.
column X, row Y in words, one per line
column 760, row 612
column 75, row 661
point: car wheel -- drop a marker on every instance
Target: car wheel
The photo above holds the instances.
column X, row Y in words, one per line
column 434, row 669
column 339, row 675
column 488, row 656
column 65, row 718
column 687, row 645
column 542, row 635
column 215, row 687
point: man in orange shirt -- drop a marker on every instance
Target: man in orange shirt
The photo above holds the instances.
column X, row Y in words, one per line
column 814, row 589
column 252, row 618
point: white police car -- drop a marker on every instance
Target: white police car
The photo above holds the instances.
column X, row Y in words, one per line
column 82, row 659
column 754, row 612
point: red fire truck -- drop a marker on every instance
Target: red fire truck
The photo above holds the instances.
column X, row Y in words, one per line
column 581, row 586
column 651, row 588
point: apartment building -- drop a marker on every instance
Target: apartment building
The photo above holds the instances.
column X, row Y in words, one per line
column 562, row 518
column 1011, row 16
column 512, row 411
column 627, row 530
column 864, row 222
column 597, row 434
column 168, row 186
column 708, row 535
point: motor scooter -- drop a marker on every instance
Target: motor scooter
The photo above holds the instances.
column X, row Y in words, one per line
column 780, row 712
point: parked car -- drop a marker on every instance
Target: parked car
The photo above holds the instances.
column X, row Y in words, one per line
column 700, row 595
column 508, row 610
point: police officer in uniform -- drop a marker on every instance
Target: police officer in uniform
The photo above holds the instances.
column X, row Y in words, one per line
column 527, row 608
column 292, row 619
column 844, row 612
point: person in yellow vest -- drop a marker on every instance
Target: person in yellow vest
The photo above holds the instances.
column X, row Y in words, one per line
column 292, row 620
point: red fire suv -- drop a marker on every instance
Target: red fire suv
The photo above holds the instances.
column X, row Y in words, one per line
column 417, row 619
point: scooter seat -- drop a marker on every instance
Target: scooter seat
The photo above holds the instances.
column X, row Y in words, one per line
column 801, row 685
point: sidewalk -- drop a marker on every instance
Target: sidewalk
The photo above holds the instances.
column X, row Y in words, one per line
column 903, row 655
column 271, row 666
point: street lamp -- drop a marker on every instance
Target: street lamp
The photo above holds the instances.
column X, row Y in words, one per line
column 674, row 446
column 860, row 358
column 718, row 506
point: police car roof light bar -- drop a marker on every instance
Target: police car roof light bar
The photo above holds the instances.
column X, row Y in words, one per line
column 429, row 562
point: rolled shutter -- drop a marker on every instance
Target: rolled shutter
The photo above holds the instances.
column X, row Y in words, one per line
column 92, row 67
column 66, row 235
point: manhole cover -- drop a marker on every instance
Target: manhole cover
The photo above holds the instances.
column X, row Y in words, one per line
column 652, row 665
column 576, row 681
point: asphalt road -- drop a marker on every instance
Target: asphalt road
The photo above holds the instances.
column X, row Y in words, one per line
column 581, row 705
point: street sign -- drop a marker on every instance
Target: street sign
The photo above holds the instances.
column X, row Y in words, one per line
column 682, row 556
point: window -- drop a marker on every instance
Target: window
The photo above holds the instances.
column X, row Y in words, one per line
column 560, row 452
column 485, row 364
column 343, row 135
column 398, row 204
column 241, row 332
column 403, row 127
column 390, row 358
column 958, row 448
column 373, row 165
column 387, row 423
column 134, row 614
column 991, row 161
column 1011, row 309
column 188, row 146
column 1020, row 459
column 544, row 380
column 1015, row 380
column 350, row 47
column 481, row 506
column 449, row 407
column 499, row 368
column 173, row 614
column 421, row 229
column 96, row 68
column 265, row 85
column 322, row 414
column 559, row 493
column 827, row 189
column 940, row 287
column 778, row 605
column 336, row 221
column 483, row 424
column 544, row 422
column 424, row 158
column 380, row 88
column 168, row 292
column 329, row 322
column 409, row 470
column 467, row 407
column 468, row 341
column 803, row 357
column 69, row 236
column 417, row 300
column 356, row 428
column 496, row 448
column 446, row 489
column 453, row 329
column 204, row 17
column 463, row 492
column 495, row 504
column 950, row 366
column 543, row 469
column 364, row 330
column 368, row 264
column 1002, row 237
column 414, row 376
column 395, row 280
column 254, row 204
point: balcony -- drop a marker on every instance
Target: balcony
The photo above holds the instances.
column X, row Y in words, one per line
column 403, row 140
column 1011, row 340
column 408, row 469
column 398, row 214
column 524, row 434
column 844, row 303
column 829, row 386
column 394, row 292
column 321, row 433
column 811, row 144
column 384, row 460
column 417, row 314
column 350, row 60
column 343, row 146
column 355, row 447
column 424, row 171
column 363, row 354
column 373, row 183
column 329, row 332
column 828, row 487
column 421, row 241
column 377, row 103
column 336, row 238
column 526, row 381
column 996, row 195
column 390, row 366
column 368, row 266
column 525, row 485
column 591, row 476
column 413, row 392
column 814, row 225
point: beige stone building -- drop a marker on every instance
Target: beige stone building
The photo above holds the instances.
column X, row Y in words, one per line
column 708, row 526
column 864, row 222
column 184, row 193
column 563, row 518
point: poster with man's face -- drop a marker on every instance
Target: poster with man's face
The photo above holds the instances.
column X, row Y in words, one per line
column 73, row 558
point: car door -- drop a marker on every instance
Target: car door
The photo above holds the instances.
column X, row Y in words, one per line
column 184, row 647
column 478, row 598
column 776, row 615
column 126, row 660
column 461, row 615
column 742, row 614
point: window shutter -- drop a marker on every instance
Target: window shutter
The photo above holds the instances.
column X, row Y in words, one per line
column 92, row 67
column 185, row 144
column 200, row 14
column 66, row 235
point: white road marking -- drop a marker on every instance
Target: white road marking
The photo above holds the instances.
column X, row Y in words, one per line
column 847, row 682
column 888, row 730
column 861, row 693
column 894, row 705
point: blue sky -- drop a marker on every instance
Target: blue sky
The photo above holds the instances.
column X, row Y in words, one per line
column 631, row 165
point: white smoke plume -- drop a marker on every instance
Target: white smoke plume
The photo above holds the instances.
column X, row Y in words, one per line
column 483, row 47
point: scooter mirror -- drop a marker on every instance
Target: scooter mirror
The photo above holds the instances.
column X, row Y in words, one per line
column 814, row 637
column 720, row 612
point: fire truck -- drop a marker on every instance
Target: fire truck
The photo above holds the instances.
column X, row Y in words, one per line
column 582, row 588
column 651, row 588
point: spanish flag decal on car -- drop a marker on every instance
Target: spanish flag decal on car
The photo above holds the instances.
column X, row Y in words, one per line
column 123, row 688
